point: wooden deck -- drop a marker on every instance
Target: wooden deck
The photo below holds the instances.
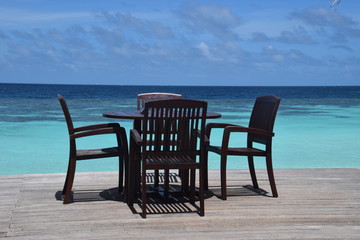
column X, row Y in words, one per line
column 312, row 204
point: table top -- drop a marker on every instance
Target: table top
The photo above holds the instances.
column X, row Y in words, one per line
column 137, row 115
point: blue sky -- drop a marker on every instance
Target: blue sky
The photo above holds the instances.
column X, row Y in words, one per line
column 227, row 42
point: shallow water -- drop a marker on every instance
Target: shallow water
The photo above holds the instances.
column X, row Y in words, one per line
column 320, row 132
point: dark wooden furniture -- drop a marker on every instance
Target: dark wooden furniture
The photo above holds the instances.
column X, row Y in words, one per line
column 120, row 151
column 137, row 116
column 260, row 131
column 169, row 140
column 142, row 98
column 153, row 96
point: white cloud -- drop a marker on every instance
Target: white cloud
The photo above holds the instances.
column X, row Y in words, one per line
column 329, row 23
column 11, row 17
column 144, row 27
column 298, row 35
column 214, row 19
column 323, row 17
column 343, row 47
column 204, row 48
column 260, row 37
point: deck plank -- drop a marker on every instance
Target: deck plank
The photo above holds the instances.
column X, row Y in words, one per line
column 312, row 203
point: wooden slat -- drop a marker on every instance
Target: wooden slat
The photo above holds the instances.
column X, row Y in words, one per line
column 312, row 204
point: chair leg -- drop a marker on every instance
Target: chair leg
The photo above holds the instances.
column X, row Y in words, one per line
column 206, row 177
column 252, row 171
column 66, row 178
column 271, row 175
column 201, row 192
column 126, row 170
column 223, row 176
column 121, row 174
column 192, row 185
column 134, row 174
column 69, row 180
column 166, row 182
column 131, row 182
column 156, row 178
column 143, row 192
column 184, row 175
column 137, row 175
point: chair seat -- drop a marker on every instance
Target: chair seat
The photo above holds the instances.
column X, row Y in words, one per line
column 97, row 153
column 238, row 151
column 171, row 161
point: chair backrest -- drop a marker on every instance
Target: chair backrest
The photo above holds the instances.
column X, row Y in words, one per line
column 67, row 115
column 172, row 125
column 147, row 97
column 263, row 117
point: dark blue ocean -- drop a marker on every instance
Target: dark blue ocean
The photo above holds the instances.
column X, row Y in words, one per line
column 316, row 127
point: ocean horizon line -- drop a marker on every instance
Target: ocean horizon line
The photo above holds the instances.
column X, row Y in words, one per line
column 157, row 85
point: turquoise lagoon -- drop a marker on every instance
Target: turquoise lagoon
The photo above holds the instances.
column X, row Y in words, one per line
column 316, row 130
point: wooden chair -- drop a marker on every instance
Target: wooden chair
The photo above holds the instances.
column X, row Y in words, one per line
column 260, row 131
column 169, row 141
column 120, row 151
column 143, row 98
column 147, row 97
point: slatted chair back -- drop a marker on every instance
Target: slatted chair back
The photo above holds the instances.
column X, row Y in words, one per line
column 171, row 126
column 147, row 97
column 263, row 117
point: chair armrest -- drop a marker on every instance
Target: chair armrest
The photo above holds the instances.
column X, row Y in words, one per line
column 234, row 128
column 93, row 132
column 121, row 133
column 135, row 135
column 206, row 139
column 96, row 126
column 210, row 126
